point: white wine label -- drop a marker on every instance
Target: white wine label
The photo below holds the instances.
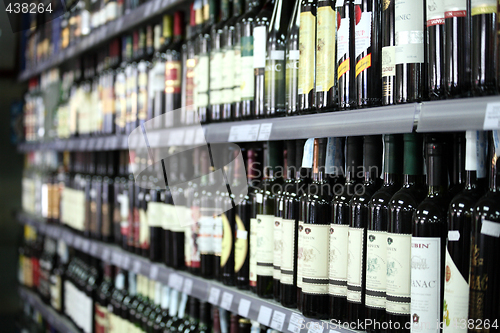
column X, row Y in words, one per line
column 409, row 31
column 217, row 236
column 455, row 8
column 475, row 152
column 203, row 79
column 456, row 298
column 315, row 248
column 144, row 229
column 240, row 245
column 247, row 77
column 339, row 234
column 479, row 7
column 180, row 216
column 300, row 254
column 355, row 264
column 287, row 251
column 216, row 77
column 237, row 74
column 307, row 39
column 228, row 69
column 167, row 217
column 265, row 244
column 253, row 252
column 425, row 284
column 307, row 158
column 490, row 228
column 388, row 61
column 435, row 12
column 334, row 154
column 259, row 46
column 376, row 268
column 398, row 282
column 227, row 241
column 205, row 235
column 278, row 245
column 363, row 33
column 326, row 20
column 154, row 214
column 343, row 39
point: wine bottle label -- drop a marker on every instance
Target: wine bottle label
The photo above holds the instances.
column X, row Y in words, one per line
column 55, row 291
column 435, row 13
column 180, row 216
column 455, row 8
column 315, row 258
column 292, row 72
column 456, row 298
column 355, row 264
column 228, row 70
column 363, row 41
column 265, row 244
column 202, row 80
column 240, row 245
column 190, row 67
column 388, row 65
column 253, row 252
column 338, row 256
column 237, row 69
column 144, row 232
column 275, row 80
column 307, row 158
column 101, row 319
column 196, row 78
column 227, row 241
column 111, row 10
column 188, row 235
column 142, row 96
column 376, row 269
column 475, row 152
column 215, row 77
column 173, row 75
column 398, row 282
column 167, row 217
column 425, row 283
column 155, row 214
column 479, row 7
column 307, row 39
column 259, row 46
column 112, row 322
column 217, row 236
column 326, row 22
column 278, row 245
column 247, row 71
column 195, row 250
column 205, row 235
column 409, row 31
column 343, row 55
column 287, row 251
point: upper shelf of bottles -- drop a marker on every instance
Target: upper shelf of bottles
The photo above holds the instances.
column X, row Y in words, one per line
column 56, row 320
column 103, row 34
column 479, row 113
column 246, row 304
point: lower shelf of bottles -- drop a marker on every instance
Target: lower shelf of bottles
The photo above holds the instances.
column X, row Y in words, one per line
column 55, row 319
column 244, row 303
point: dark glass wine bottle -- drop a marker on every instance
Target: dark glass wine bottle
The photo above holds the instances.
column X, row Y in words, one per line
column 265, row 199
column 428, row 242
column 292, row 62
column 376, row 250
column 154, row 217
column 189, row 64
column 484, row 274
column 253, row 191
column 410, row 51
column 202, row 69
column 359, row 215
column 388, row 57
column 274, row 78
column 307, row 62
column 314, row 241
column 457, row 70
column 326, row 33
column 339, row 230
column 219, row 9
column 346, row 60
column 176, row 239
column 435, row 49
column 367, row 47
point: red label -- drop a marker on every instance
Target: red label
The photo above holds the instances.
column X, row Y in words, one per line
column 137, row 228
column 437, row 21
column 173, row 77
column 457, row 13
column 36, row 272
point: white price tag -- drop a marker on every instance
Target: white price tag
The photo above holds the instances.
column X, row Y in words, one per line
column 265, row 132
column 94, row 249
column 264, row 315
column 116, row 259
column 136, row 267
column 189, row 136
column 105, row 254
column 278, row 320
column 148, row 9
column 175, row 281
column 241, row 234
column 492, row 116
column 153, row 272
column 77, row 243
column 227, row 300
column 244, row 133
column 125, row 262
column 157, row 5
column 490, row 228
column 295, row 323
column 244, row 307
column 200, row 136
column 86, row 245
column 213, row 298
column 315, row 327
column 188, row 286
column 453, row 235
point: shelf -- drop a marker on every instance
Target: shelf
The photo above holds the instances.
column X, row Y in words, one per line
column 245, row 303
column 56, row 320
column 104, row 33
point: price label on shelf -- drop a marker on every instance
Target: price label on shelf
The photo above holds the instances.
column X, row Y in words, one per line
column 188, row 286
column 265, row 132
column 77, row 243
column 295, row 323
column 136, row 267
column 492, row 117
column 315, row 327
column 189, row 136
column 244, row 307
column 153, row 272
column 116, row 259
column 175, row 281
column 100, row 144
column 264, row 315
column 82, row 145
column 200, row 136
column 227, row 301
column 213, row 297
column 119, row 25
column 148, row 9
column 278, row 320
column 57, row 232
column 94, row 249
column 106, row 254
column 176, row 137
column 85, row 245
column 157, row 6
column 244, row 133
column 125, row 262
column 68, row 238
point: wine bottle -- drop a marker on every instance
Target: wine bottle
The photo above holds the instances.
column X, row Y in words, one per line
column 307, row 62
column 315, row 240
column 346, row 51
column 359, row 214
column 402, row 206
column 456, row 164
column 253, row 192
column 428, row 244
column 265, row 218
column 410, row 51
column 188, row 80
column 367, row 48
column 483, row 279
column 216, row 54
column 292, row 62
column 202, row 69
column 456, row 288
column 154, row 218
column 435, row 49
column 176, row 239
column 484, row 62
column 326, row 33
column 339, row 230
column 274, row 77
column 260, row 40
column 457, row 70
column 388, row 57
column 376, row 250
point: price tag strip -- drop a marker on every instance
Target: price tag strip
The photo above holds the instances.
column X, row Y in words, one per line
column 227, row 301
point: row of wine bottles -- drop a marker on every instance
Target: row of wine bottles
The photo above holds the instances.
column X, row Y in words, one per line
column 345, row 229
column 100, row 298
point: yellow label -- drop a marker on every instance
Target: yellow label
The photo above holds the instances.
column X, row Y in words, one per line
column 240, row 246
column 307, row 38
column 325, row 48
column 227, row 241
column 485, row 9
column 363, row 64
column 343, row 68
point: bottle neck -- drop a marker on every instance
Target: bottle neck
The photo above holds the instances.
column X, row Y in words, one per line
column 435, row 174
column 470, row 179
column 391, row 178
column 237, row 8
